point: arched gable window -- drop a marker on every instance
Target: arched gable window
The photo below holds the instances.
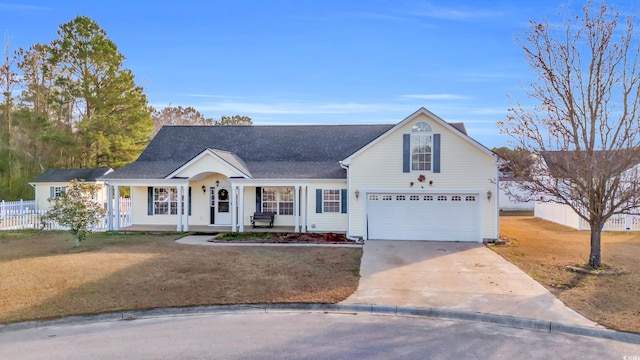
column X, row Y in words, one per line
column 421, row 147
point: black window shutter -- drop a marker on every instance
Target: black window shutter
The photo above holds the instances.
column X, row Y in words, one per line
column 258, row 199
column 406, row 153
column 189, row 200
column 318, row 201
column 343, row 200
column 436, row 153
column 149, row 200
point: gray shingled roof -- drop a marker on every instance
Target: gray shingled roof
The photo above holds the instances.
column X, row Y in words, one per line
column 66, row 175
column 264, row 152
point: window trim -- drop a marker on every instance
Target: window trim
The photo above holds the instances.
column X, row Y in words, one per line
column 154, row 201
column 421, row 135
column 280, row 192
column 332, row 206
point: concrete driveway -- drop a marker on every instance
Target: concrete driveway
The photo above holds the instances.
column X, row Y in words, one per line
column 455, row 276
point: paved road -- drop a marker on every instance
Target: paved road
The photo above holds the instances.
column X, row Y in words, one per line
column 301, row 336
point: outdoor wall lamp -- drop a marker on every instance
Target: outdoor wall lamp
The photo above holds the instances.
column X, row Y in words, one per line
column 489, row 194
column 204, row 189
column 357, row 192
column 217, row 183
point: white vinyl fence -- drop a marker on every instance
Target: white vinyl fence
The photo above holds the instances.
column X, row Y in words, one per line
column 564, row 215
column 17, row 215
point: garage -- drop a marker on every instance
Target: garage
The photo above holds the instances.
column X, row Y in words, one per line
column 419, row 216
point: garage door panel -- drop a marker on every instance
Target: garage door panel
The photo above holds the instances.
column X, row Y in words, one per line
column 443, row 216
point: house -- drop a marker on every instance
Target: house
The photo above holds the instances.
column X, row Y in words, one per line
column 53, row 182
column 420, row 179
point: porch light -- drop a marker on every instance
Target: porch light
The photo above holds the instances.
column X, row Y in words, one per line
column 204, row 189
column 357, row 193
column 489, row 194
column 217, row 183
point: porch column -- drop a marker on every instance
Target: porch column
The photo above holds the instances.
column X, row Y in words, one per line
column 232, row 199
column 117, row 212
column 109, row 208
column 241, row 208
column 179, row 209
column 296, row 208
column 187, row 201
column 303, row 208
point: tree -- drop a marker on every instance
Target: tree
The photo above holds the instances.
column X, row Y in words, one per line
column 77, row 210
column 111, row 117
column 234, row 120
column 178, row 116
column 583, row 116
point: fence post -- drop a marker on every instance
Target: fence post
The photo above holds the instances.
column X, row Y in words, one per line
column 2, row 210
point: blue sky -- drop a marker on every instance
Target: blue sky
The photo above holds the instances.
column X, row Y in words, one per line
column 313, row 62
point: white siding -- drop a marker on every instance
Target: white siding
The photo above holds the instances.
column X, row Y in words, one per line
column 43, row 192
column 208, row 164
column 325, row 222
column 462, row 167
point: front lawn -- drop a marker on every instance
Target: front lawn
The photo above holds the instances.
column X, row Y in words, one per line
column 544, row 249
column 43, row 276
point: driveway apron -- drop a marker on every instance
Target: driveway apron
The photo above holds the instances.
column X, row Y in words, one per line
column 456, row 276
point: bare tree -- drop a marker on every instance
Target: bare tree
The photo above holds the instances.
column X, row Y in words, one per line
column 582, row 118
column 177, row 115
column 238, row 120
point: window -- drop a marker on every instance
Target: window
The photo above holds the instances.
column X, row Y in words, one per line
column 331, row 201
column 58, row 191
column 428, row 198
column 373, row 197
column 421, row 140
column 165, row 201
column 456, row 198
column 414, row 197
column 442, row 198
column 400, row 197
column 277, row 200
column 470, row 198
column 387, row 197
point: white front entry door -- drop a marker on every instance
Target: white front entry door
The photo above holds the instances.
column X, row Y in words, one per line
column 219, row 205
column 433, row 216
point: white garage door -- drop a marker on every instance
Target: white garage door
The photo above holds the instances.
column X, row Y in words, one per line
column 442, row 216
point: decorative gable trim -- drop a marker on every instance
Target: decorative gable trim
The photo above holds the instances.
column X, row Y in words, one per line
column 432, row 116
column 209, row 152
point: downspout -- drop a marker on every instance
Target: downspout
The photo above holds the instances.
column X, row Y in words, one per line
column 349, row 237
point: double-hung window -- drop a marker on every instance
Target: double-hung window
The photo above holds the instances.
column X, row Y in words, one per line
column 278, row 200
column 421, row 147
column 331, row 200
column 165, row 201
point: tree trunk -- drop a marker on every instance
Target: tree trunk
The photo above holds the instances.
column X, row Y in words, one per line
column 77, row 241
column 595, row 254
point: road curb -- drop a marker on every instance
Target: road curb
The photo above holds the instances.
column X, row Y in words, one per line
column 505, row 320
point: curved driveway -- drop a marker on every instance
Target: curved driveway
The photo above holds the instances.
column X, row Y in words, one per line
column 456, row 276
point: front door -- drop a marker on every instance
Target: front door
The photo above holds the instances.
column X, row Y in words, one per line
column 219, row 206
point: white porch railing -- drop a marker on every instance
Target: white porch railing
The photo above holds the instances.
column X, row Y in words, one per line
column 26, row 217
column 564, row 215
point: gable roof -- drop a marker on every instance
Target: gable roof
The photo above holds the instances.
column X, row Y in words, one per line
column 610, row 161
column 267, row 152
column 66, row 175
column 456, row 128
column 264, row 152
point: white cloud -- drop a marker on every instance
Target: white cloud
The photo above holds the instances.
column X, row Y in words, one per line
column 293, row 108
column 459, row 13
column 21, row 7
column 436, row 96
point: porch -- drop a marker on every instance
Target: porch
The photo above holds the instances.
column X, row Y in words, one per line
column 204, row 229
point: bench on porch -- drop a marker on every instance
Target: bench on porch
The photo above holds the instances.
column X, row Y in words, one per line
column 264, row 217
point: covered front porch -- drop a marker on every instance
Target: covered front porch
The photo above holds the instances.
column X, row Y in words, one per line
column 211, row 202
column 204, row 229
